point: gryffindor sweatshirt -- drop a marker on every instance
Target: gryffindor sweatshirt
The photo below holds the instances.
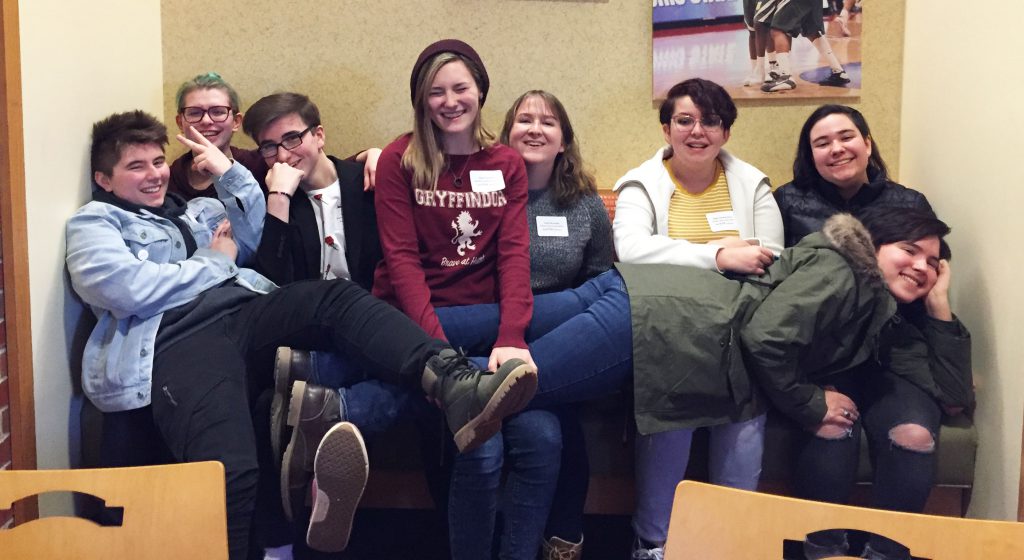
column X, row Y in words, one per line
column 465, row 242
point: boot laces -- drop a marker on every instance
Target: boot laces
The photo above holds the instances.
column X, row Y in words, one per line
column 459, row 368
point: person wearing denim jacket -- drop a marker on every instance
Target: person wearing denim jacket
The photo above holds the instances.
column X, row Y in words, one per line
column 118, row 360
column 177, row 313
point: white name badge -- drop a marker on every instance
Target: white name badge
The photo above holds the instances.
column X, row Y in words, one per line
column 486, row 180
column 722, row 221
column 552, row 226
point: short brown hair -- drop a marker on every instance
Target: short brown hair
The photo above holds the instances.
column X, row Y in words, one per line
column 111, row 135
column 275, row 106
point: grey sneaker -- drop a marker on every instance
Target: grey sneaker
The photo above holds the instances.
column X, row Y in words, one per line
column 312, row 412
column 558, row 549
column 782, row 83
column 340, row 472
column 642, row 553
column 289, row 366
column 475, row 402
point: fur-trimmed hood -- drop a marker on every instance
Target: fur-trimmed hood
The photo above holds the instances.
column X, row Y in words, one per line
column 853, row 241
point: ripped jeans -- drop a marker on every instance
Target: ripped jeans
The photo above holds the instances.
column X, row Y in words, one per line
column 893, row 412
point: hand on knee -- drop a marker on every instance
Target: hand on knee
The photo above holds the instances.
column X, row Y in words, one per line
column 831, row 431
column 912, row 437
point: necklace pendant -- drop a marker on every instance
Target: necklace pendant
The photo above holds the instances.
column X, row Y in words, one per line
column 458, row 181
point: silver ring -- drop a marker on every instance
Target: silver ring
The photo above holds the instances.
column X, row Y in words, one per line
column 846, row 413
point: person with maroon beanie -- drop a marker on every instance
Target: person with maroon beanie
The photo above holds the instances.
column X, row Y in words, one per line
column 451, row 209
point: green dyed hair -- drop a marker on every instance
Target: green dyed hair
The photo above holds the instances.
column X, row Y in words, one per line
column 209, row 80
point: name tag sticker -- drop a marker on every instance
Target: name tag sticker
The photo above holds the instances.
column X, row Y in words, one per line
column 552, row 226
column 722, row 221
column 486, row 180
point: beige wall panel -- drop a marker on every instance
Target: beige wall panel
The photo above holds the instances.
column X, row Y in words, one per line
column 961, row 146
column 80, row 62
column 354, row 57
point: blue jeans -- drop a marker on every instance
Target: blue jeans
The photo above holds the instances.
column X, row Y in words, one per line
column 371, row 404
column 532, row 443
column 661, row 460
column 581, row 341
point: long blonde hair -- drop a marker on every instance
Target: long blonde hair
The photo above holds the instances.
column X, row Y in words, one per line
column 424, row 155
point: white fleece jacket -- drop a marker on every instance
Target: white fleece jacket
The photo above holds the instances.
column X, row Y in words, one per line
column 641, row 214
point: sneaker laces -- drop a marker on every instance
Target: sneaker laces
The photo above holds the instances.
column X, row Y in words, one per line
column 649, row 554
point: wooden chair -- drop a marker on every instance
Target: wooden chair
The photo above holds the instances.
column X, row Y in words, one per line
column 170, row 511
column 713, row 522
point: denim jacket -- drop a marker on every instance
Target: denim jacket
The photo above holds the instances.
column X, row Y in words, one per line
column 132, row 267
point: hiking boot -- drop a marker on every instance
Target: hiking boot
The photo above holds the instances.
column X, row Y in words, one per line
column 557, row 549
column 289, row 366
column 340, row 471
column 783, row 83
column 475, row 402
column 838, row 79
column 312, row 412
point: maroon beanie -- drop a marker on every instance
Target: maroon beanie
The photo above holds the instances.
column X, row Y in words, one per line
column 453, row 46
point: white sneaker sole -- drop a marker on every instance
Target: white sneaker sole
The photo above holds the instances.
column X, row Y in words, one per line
column 340, row 473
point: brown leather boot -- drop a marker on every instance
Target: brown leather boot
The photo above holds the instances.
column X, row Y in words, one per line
column 289, row 366
column 312, row 411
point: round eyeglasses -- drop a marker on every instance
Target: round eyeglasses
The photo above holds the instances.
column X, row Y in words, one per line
column 218, row 113
column 685, row 123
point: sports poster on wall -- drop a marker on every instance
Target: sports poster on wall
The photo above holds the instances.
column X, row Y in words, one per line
column 760, row 49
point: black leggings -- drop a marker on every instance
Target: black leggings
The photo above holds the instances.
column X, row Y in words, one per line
column 204, row 384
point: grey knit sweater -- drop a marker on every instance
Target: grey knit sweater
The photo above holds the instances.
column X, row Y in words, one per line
column 557, row 261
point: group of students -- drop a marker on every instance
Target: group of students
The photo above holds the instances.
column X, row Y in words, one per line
column 726, row 299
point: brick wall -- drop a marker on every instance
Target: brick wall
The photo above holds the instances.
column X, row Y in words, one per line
column 5, row 399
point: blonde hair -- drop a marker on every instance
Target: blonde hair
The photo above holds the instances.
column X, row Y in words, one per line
column 425, row 156
column 569, row 180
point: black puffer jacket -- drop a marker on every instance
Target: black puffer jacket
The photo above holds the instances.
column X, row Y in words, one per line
column 806, row 207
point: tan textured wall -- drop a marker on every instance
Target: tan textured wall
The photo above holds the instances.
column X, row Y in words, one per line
column 961, row 147
column 353, row 57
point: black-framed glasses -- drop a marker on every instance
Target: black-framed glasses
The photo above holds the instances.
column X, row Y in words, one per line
column 685, row 122
column 289, row 142
column 218, row 113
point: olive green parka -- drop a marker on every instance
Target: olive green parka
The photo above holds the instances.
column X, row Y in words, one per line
column 708, row 348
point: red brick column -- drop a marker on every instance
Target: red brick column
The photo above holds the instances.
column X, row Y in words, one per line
column 5, row 398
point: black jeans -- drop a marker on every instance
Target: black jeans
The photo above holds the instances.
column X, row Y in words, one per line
column 205, row 383
column 826, row 469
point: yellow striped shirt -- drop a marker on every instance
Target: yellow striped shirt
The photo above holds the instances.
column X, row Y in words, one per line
column 688, row 213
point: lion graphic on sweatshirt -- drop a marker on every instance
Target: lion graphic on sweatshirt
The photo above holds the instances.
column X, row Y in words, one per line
column 465, row 231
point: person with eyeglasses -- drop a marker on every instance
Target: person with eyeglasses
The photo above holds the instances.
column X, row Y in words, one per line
column 693, row 204
column 208, row 103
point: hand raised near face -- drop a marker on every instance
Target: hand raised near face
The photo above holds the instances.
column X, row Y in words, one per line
column 284, row 178
column 937, row 300
column 207, row 158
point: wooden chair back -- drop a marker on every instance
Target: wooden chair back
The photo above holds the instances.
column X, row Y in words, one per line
column 714, row 522
column 170, row 511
